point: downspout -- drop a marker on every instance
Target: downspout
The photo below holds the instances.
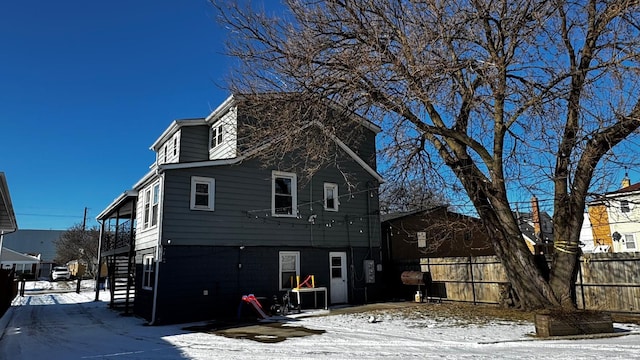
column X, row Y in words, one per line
column 99, row 260
column 159, row 250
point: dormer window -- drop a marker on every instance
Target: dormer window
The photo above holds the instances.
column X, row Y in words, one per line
column 216, row 135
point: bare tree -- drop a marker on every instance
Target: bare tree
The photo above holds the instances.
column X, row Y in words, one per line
column 409, row 195
column 78, row 244
column 500, row 99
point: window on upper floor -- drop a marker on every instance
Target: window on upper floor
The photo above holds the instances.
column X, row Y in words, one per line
column 202, row 193
column 216, row 134
column 331, row 197
column 146, row 207
column 289, row 268
column 155, row 201
column 166, row 151
column 147, row 272
column 175, row 145
column 624, row 206
column 284, row 195
column 151, row 202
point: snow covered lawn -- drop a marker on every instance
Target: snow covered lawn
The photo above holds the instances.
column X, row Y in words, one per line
column 50, row 324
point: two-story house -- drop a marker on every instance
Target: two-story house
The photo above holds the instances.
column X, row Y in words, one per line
column 212, row 221
column 615, row 218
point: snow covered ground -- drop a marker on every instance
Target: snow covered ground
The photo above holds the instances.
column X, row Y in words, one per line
column 51, row 324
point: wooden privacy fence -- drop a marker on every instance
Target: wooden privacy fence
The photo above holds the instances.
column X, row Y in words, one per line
column 606, row 281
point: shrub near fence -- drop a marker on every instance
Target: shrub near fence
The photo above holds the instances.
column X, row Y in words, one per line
column 606, row 281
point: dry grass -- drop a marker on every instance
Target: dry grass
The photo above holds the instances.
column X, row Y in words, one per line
column 462, row 312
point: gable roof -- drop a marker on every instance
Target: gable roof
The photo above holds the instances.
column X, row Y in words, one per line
column 175, row 126
column 628, row 189
column 34, row 242
column 9, row 255
column 221, row 110
column 8, row 221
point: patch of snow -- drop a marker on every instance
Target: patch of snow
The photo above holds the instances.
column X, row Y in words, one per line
column 68, row 325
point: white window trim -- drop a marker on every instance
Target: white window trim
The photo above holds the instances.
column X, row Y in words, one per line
column 294, row 193
column 146, row 207
column 287, row 253
column 212, row 192
column 218, row 138
column 147, row 272
column 154, row 203
column 336, row 201
column 626, row 241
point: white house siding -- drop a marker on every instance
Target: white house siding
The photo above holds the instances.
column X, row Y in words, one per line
column 228, row 148
column 146, row 237
column 625, row 223
column 586, row 235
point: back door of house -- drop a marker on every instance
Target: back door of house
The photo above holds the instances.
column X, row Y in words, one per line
column 338, row 270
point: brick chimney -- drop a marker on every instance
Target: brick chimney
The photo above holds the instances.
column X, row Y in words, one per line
column 626, row 181
column 535, row 217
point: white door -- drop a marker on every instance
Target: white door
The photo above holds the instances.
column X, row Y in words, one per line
column 338, row 270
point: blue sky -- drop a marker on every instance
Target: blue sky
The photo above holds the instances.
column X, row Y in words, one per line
column 87, row 86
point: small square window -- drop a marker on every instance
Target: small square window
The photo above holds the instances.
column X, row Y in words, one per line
column 624, row 206
column 331, row 197
column 202, row 193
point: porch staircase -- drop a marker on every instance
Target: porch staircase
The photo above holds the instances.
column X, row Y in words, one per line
column 122, row 284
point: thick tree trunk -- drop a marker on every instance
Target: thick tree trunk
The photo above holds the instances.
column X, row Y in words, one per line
column 531, row 287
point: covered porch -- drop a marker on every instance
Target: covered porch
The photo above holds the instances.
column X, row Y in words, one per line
column 116, row 251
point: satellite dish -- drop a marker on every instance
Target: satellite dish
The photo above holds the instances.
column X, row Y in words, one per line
column 616, row 236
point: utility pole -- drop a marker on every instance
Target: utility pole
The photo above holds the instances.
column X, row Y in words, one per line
column 84, row 219
column 84, row 227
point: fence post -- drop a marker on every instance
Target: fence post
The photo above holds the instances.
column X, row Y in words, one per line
column 473, row 287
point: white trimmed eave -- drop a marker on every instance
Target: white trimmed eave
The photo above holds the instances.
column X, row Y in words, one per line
column 26, row 258
column 220, row 110
column 352, row 154
column 6, row 208
column 173, row 128
column 116, row 203
column 257, row 150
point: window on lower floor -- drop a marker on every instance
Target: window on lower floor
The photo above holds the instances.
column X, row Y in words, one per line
column 148, row 269
column 202, row 193
column 289, row 269
column 630, row 242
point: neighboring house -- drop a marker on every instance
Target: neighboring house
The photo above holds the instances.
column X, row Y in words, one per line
column 428, row 233
column 25, row 264
column 38, row 243
column 211, row 222
column 615, row 218
column 537, row 229
column 587, row 243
